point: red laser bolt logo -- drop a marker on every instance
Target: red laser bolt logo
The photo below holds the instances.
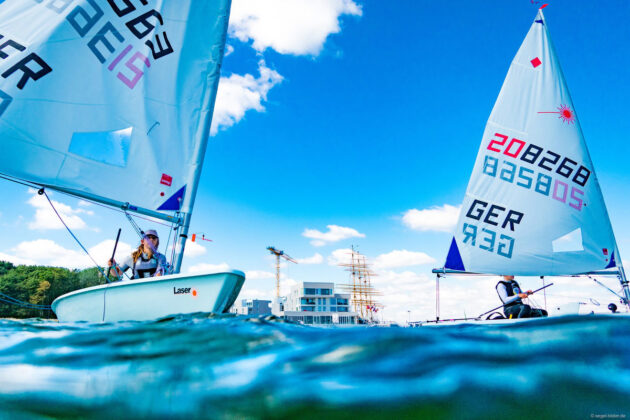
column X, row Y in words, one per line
column 566, row 114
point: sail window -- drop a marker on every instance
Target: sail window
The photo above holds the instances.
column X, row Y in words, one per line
column 570, row 242
column 109, row 147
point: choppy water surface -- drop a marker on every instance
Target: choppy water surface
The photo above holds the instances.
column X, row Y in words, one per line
column 225, row 367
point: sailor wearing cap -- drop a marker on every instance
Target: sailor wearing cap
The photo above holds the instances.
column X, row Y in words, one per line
column 145, row 261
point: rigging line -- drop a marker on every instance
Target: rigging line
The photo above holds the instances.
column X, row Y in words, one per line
column 134, row 225
column 174, row 247
column 26, row 306
column 14, row 301
column 168, row 241
column 42, row 191
column 605, row 287
column 534, row 303
column 568, row 297
column 175, row 242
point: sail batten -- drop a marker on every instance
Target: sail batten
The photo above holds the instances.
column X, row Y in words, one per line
column 533, row 205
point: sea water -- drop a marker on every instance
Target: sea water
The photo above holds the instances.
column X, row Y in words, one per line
column 203, row 366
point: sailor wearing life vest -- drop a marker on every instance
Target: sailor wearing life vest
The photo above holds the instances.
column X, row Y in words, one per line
column 145, row 262
column 510, row 294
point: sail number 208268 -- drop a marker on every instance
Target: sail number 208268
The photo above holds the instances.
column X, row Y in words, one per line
column 535, row 179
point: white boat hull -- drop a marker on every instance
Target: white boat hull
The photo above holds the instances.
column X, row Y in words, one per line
column 156, row 297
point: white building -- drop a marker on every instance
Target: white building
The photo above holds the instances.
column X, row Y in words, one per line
column 317, row 303
column 252, row 307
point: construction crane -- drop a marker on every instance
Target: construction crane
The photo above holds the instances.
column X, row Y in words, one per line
column 279, row 254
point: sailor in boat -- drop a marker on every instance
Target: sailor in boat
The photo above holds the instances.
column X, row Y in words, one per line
column 511, row 295
column 145, row 261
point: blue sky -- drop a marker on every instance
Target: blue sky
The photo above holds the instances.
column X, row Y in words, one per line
column 353, row 114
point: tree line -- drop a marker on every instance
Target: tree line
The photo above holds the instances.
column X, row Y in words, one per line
column 39, row 285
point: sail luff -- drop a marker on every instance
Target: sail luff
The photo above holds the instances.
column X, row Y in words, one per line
column 619, row 263
column 209, row 99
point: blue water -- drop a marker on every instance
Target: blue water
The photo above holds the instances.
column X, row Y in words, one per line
column 202, row 366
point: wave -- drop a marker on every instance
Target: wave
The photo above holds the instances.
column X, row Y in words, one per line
column 206, row 366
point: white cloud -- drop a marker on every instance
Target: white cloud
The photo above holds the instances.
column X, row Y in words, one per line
column 193, row 249
column 208, row 268
column 229, row 49
column 102, row 252
column 266, row 290
column 16, row 260
column 298, row 27
column 286, row 285
column 238, row 94
column 340, row 256
column 315, row 259
column 335, row 233
column 253, row 293
column 45, row 217
column 47, row 252
column 402, row 292
column 402, row 258
column 440, row 219
column 259, row 275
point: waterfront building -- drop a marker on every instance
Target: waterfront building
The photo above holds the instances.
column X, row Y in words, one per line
column 252, row 307
column 317, row 303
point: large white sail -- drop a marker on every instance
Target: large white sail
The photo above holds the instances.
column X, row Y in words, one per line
column 110, row 99
column 533, row 205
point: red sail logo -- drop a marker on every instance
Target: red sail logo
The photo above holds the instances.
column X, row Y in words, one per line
column 166, row 180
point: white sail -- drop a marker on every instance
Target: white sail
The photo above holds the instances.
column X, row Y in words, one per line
column 533, row 205
column 110, row 99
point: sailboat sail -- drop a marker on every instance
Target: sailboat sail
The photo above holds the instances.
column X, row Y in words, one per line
column 110, row 100
column 533, row 205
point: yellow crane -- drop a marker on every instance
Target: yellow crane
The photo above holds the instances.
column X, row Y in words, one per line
column 278, row 253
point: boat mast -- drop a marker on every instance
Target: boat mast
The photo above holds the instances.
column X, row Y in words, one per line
column 191, row 191
column 211, row 86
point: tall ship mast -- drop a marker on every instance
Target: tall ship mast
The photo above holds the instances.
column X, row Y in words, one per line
column 360, row 287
